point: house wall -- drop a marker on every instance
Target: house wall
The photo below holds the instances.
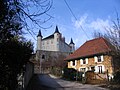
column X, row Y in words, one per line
column 91, row 62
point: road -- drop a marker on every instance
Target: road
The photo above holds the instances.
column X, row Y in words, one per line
column 48, row 82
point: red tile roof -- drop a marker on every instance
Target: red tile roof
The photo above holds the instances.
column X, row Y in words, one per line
column 91, row 47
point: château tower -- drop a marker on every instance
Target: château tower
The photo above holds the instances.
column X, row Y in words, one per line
column 57, row 36
column 72, row 45
column 39, row 40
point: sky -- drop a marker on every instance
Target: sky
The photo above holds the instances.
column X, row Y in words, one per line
column 92, row 15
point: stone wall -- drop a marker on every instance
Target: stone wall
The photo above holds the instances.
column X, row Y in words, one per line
column 45, row 60
column 29, row 73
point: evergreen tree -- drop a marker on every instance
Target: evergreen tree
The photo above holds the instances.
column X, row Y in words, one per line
column 14, row 51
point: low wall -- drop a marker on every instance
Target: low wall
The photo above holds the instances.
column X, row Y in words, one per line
column 28, row 74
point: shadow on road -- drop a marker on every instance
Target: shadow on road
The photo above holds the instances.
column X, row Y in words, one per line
column 43, row 82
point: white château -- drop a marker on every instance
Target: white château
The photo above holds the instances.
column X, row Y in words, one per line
column 54, row 42
column 51, row 49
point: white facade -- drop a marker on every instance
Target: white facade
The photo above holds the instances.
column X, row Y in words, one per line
column 54, row 42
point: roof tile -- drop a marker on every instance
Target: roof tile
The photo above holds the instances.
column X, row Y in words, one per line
column 91, row 47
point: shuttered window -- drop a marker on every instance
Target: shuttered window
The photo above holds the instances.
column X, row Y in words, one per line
column 99, row 58
column 100, row 69
column 81, row 61
column 86, row 60
column 71, row 63
column 95, row 58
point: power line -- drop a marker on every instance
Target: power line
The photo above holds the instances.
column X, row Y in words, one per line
column 75, row 17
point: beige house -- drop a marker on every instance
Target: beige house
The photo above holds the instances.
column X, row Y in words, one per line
column 93, row 55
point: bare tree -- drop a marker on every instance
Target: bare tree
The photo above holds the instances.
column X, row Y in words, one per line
column 112, row 35
column 32, row 13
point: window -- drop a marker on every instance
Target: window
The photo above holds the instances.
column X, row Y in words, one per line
column 51, row 41
column 83, row 69
column 100, row 69
column 43, row 43
column 47, row 42
column 57, row 39
column 84, row 61
column 93, row 68
column 74, row 63
column 99, row 58
column 43, row 56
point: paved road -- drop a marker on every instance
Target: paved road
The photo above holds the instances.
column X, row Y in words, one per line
column 48, row 82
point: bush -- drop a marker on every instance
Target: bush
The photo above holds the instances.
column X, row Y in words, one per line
column 72, row 74
column 69, row 73
column 117, row 77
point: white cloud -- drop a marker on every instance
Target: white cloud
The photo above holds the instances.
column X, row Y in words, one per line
column 76, row 40
column 99, row 24
column 81, row 21
column 89, row 25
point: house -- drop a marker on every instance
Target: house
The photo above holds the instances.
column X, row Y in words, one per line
column 51, row 48
column 93, row 55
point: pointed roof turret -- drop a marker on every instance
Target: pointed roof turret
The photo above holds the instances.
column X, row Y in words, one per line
column 39, row 34
column 71, row 42
column 56, row 30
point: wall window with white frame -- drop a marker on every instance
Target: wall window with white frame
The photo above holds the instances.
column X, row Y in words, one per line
column 84, row 61
column 99, row 58
column 92, row 68
column 74, row 63
column 99, row 69
column 83, row 69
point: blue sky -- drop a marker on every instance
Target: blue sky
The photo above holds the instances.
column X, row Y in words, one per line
column 92, row 15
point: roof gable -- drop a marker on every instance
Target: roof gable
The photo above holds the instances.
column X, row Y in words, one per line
column 91, row 47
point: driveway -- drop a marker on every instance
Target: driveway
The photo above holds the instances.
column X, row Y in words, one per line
column 49, row 82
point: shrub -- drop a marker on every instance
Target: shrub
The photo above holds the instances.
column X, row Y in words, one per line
column 69, row 73
column 117, row 77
